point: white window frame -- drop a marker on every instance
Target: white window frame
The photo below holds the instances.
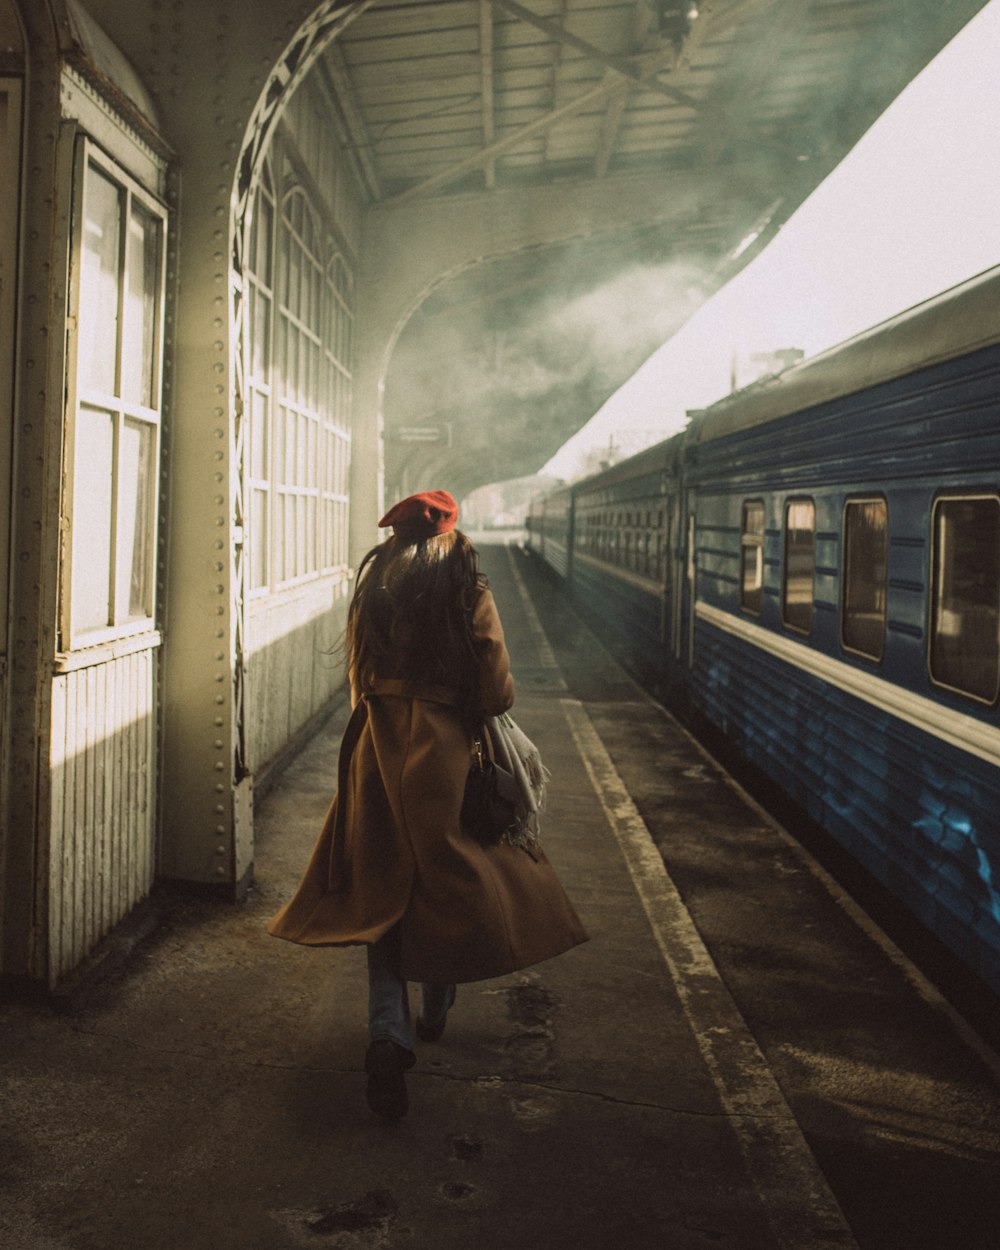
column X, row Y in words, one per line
column 260, row 386
column 332, row 339
column 121, row 626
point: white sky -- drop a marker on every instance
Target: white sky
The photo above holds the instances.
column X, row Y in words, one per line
column 913, row 209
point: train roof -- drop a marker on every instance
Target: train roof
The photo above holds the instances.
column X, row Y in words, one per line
column 957, row 321
column 649, row 460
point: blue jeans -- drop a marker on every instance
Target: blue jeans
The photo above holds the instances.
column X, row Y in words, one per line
column 388, row 1001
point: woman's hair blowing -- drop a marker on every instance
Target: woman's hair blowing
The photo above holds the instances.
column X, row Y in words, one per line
column 411, row 614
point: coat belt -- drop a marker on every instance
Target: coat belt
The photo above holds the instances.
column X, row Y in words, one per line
column 399, row 688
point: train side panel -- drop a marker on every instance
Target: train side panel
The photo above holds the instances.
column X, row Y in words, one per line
column 898, row 764
column 624, row 558
column 550, row 524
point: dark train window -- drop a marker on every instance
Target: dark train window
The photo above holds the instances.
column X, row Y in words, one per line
column 752, row 557
column 800, row 563
column 863, row 599
column 965, row 603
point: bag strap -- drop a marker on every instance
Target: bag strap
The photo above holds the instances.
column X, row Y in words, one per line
column 482, row 746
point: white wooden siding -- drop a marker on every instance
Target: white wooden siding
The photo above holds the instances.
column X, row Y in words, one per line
column 293, row 668
column 103, row 812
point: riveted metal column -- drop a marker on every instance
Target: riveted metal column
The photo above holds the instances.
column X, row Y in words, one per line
column 222, row 74
column 201, row 74
column 37, row 450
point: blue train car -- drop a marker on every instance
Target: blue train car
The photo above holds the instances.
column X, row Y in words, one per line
column 813, row 568
column 625, row 525
column 550, row 529
column 845, row 615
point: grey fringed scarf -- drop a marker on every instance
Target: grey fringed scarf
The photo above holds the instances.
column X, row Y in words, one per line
column 514, row 750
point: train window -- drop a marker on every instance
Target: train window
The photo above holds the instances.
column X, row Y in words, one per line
column 800, row 562
column 965, row 603
column 752, row 557
column 863, row 600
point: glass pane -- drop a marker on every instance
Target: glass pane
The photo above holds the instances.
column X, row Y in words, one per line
column 294, row 279
column 99, row 283
column 134, row 566
column 965, row 615
column 283, row 266
column 92, row 487
column 258, row 539
column 289, row 544
column 865, row 525
column 302, row 450
column 800, row 544
column 301, row 553
column 292, row 364
column 141, row 302
column 260, row 334
column 279, row 435
column 277, row 545
column 260, row 239
column 258, row 435
column 311, row 563
column 313, row 467
column 752, row 557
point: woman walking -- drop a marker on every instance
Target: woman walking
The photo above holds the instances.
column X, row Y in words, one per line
column 394, row 868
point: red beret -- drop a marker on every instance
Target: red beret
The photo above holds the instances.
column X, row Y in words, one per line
column 430, row 512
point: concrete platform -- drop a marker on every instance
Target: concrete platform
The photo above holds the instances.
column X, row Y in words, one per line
column 736, row 1059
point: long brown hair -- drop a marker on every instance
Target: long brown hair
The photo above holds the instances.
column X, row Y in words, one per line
column 411, row 614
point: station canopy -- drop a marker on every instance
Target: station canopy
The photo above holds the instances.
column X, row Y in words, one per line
column 737, row 109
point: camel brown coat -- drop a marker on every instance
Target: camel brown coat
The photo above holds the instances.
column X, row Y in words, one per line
column 392, row 851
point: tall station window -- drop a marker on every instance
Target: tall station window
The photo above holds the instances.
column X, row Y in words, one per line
column 260, row 390
column 965, row 596
column 863, row 598
column 800, row 564
column 752, row 557
column 300, row 322
column 115, row 383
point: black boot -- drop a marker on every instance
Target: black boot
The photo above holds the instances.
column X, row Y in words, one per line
column 432, row 1032
column 385, row 1063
